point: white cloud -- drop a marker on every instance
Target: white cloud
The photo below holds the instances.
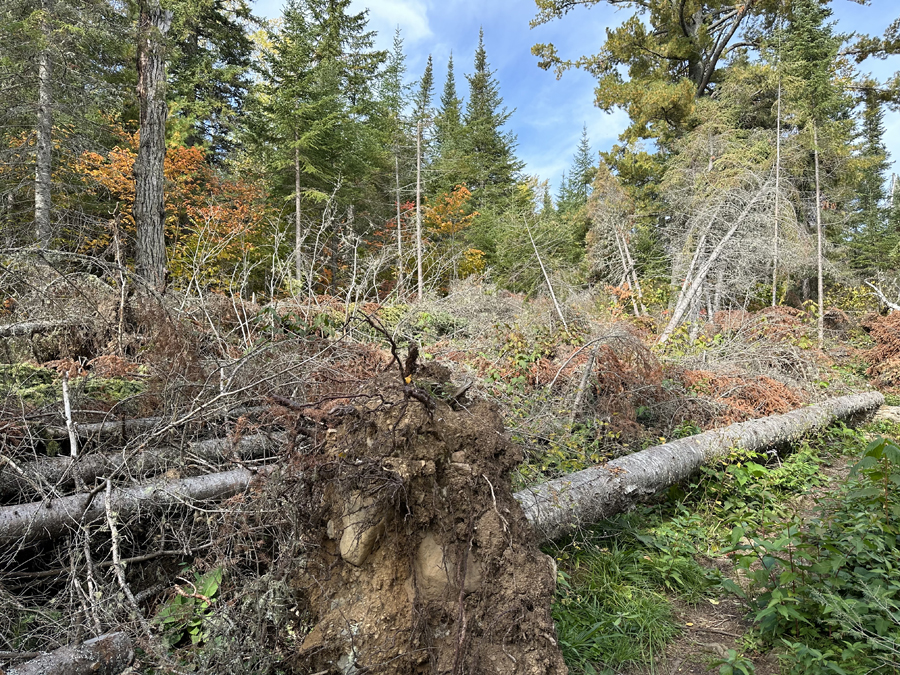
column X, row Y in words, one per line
column 386, row 15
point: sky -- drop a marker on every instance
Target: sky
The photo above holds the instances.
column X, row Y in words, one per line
column 548, row 113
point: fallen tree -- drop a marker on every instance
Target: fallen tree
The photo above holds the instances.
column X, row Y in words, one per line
column 30, row 328
column 128, row 428
column 558, row 507
column 106, row 655
column 29, row 478
column 27, row 523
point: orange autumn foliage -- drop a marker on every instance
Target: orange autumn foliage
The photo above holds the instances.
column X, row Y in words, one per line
column 450, row 214
column 211, row 220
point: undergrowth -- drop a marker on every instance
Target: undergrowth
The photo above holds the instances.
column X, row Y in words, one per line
column 817, row 590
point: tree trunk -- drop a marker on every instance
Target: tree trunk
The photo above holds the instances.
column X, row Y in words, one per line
column 62, row 472
column 108, row 654
column 777, row 196
column 42, row 173
column 298, row 227
column 399, row 231
column 24, row 524
column 558, row 507
column 820, row 322
column 29, row 328
column 420, row 277
column 149, row 179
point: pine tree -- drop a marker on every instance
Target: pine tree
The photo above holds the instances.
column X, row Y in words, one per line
column 810, row 53
column 491, row 165
column 422, row 99
column 575, row 189
column 209, row 72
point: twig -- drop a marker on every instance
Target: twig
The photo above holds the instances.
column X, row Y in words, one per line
column 546, row 278
column 117, row 562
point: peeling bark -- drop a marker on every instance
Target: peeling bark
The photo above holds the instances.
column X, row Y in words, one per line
column 28, row 523
column 558, row 507
column 106, row 655
column 62, row 472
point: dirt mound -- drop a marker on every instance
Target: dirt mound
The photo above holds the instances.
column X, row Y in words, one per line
column 885, row 356
column 418, row 558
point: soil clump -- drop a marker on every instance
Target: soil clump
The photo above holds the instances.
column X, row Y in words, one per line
column 418, row 558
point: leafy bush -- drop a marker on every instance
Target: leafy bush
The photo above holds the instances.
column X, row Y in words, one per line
column 828, row 589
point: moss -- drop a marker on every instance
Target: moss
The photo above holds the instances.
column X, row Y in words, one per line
column 33, row 385
column 113, row 389
column 36, row 386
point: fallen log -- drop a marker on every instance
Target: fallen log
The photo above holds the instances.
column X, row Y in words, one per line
column 106, row 655
column 27, row 523
column 30, row 328
column 125, row 429
column 558, row 507
column 28, row 478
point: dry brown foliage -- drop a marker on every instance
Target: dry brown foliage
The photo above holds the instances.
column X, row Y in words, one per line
column 885, row 356
column 742, row 397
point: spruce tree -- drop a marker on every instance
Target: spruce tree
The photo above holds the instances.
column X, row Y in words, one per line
column 491, row 165
column 424, row 94
column 575, row 188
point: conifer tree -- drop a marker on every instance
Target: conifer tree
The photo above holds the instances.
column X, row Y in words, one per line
column 424, row 93
column 576, row 187
column 492, row 167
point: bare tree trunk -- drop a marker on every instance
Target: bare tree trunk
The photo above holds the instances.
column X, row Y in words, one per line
column 421, row 279
column 42, row 173
column 558, row 507
column 149, row 179
column 298, row 227
column 820, row 322
column 30, row 478
column 109, row 654
column 28, row 523
column 777, row 196
column 399, row 231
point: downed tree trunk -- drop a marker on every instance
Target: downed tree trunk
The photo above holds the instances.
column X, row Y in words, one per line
column 106, row 655
column 36, row 521
column 30, row 328
column 558, row 507
column 129, row 428
column 28, row 478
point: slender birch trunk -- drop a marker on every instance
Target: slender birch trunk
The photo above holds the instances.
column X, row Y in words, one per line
column 149, row 179
column 777, row 196
column 820, row 323
column 421, row 279
column 399, row 230
column 43, row 173
column 298, row 227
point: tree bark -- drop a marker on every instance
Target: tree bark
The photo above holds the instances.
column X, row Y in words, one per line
column 29, row 328
column 44, row 144
column 558, row 507
column 149, row 178
column 62, row 472
column 298, row 226
column 28, row 523
column 420, row 277
column 106, row 655
column 820, row 322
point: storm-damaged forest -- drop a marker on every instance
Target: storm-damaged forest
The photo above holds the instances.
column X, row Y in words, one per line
column 303, row 369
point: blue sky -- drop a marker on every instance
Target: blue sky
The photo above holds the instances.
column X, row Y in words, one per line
column 549, row 113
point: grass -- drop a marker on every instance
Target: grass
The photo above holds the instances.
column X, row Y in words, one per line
column 617, row 581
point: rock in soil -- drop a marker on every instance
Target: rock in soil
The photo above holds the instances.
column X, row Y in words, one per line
column 418, row 558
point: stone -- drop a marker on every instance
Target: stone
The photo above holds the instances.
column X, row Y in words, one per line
column 364, row 522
